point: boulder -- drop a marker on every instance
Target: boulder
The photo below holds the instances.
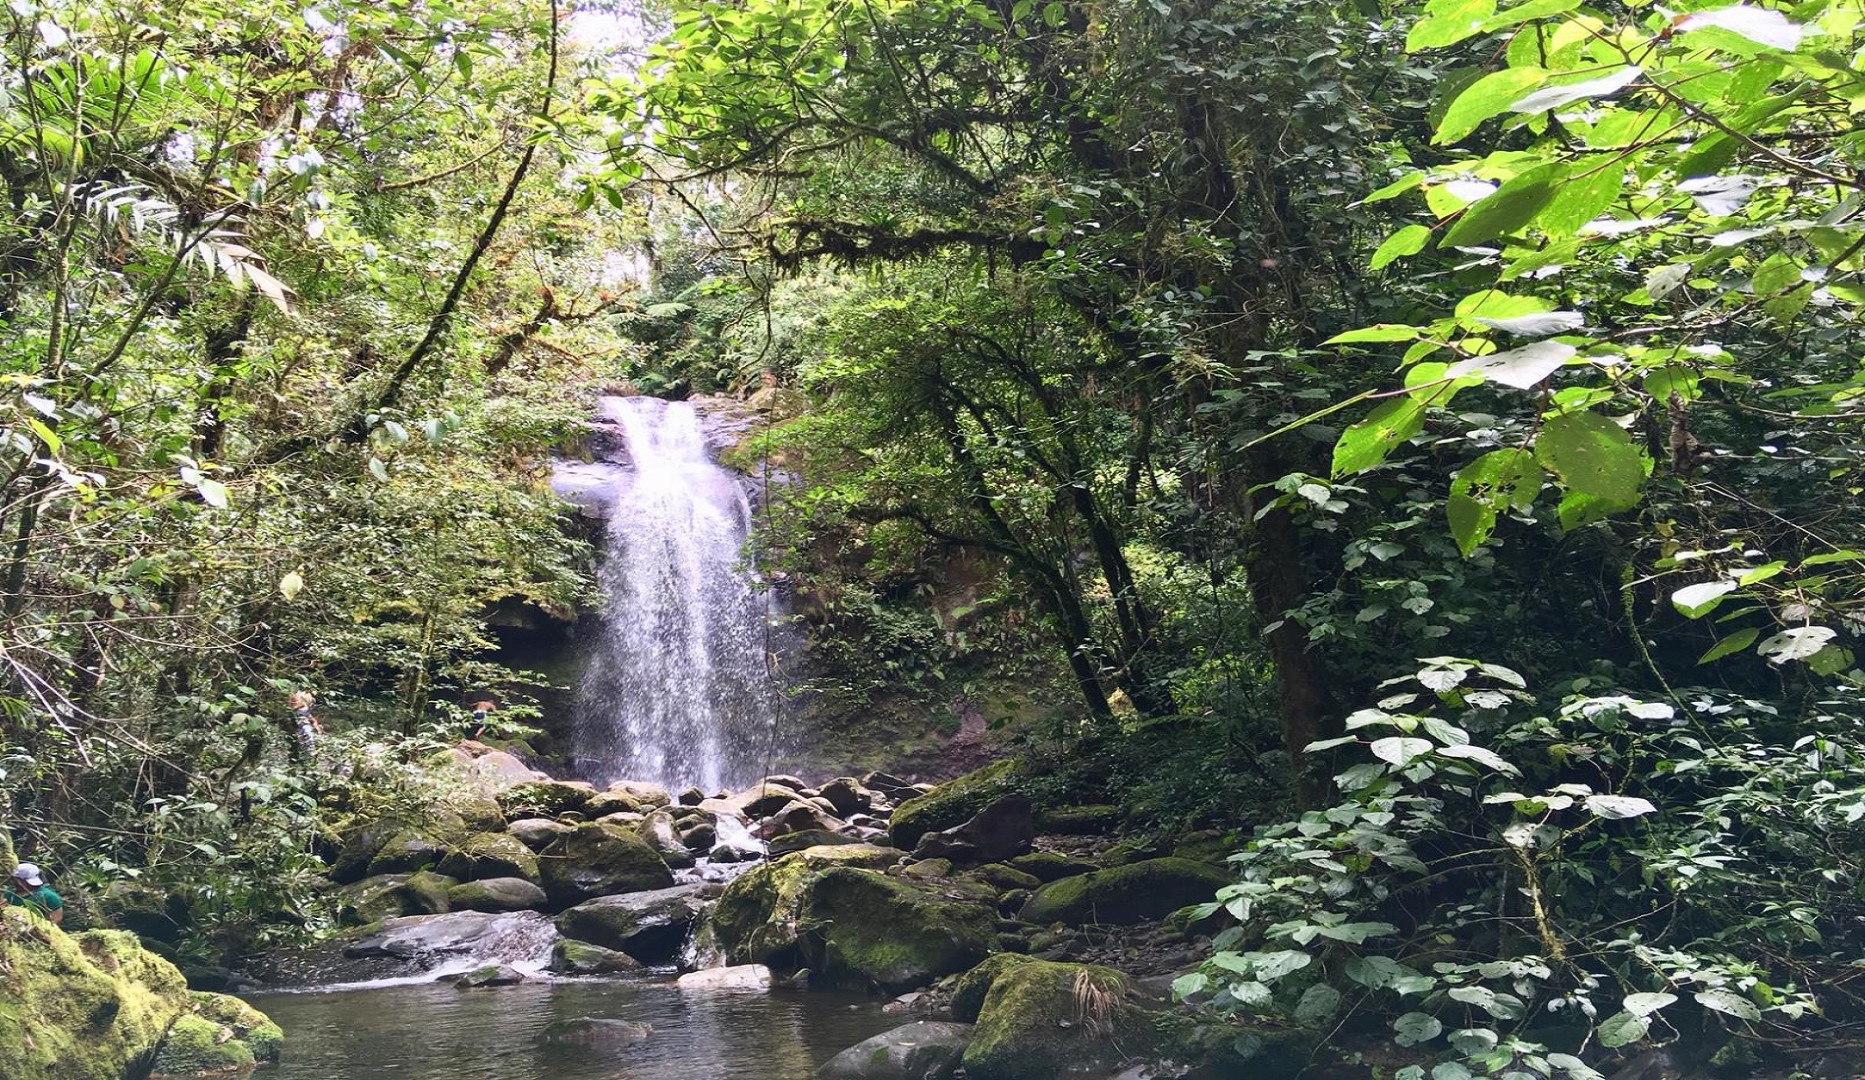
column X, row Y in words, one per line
column 1214, row 846
column 741, row 977
column 479, row 813
column 247, row 1024
column 649, row 926
column 797, row 841
column 755, row 920
column 799, row 817
column 794, row 783
column 660, row 834
column 600, row 860
column 545, row 798
column 360, row 843
column 889, row 786
column 491, row 771
column 1039, row 1019
column 390, row 895
column 1121, row 895
column 537, row 833
column 969, row 989
column 596, row 1032
column 496, row 894
column 490, row 855
column 872, row 931
column 700, row 837
column 1005, row 878
column 1052, row 866
column 408, row 851
column 847, row 796
column 950, row 804
column 1002, row 830
column 927, row 1050
column 196, row 1046
column 490, row 975
column 81, row 1006
column 144, row 910
column 649, row 795
column 582, row 958
column 428, row 941
column 1079, row 820
column 691, row 797
column 604, row 803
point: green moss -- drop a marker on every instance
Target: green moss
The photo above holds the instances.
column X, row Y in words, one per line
column 969, row 991
column 254, row 1028
column 874, row 931
column 1120, row 895
column 491, row 855
column 79, row 1006
column 197, row 1046
column 1005, row 878
column 952, row 803
column 545, row 798
column 1041, row 1018
column 600, row 860
column 1050, row 865
column 1079, row 820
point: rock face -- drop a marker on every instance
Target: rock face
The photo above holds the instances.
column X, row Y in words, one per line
column 949, row 804
column 1039, row 1019
column 927, row 1050
column 425, row 942
column 649, row 926
column 97, row 1006
column 1002, row 830
column 1121, row 895
column 600, row 860
column 496, row 894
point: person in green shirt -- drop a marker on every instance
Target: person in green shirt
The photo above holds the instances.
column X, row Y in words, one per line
column 27, row 888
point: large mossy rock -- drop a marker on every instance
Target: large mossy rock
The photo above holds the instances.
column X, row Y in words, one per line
column 143, row 910
column 545, row 798
column 600, row 860
column 872, row 931
column 1041, row 1019
column 80, row 1006
column 390, row 895
column 953, row 803
column 755, row 920
column 582, row 958
column 649, row 926
column 248, row 1024
column 199, row 1047
column 1122, row 895
column 408, row 851
column 926, row 1050
column 495, row 895
column 490, row 855
column 361, row 842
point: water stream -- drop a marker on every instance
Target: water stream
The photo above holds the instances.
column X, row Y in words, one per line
column 676, row 689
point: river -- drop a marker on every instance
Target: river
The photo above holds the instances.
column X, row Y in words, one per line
column 436, row 1032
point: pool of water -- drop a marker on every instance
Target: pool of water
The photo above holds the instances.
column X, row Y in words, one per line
column 436, row 1032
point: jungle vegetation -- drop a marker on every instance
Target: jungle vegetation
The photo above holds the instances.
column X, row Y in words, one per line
column 1427, row 433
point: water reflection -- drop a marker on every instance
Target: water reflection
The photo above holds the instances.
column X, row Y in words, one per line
column 436, row 1032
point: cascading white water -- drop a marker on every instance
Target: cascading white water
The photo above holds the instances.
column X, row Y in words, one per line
column 676, row 689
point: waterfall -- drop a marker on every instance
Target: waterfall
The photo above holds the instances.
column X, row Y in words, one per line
column 676, row 689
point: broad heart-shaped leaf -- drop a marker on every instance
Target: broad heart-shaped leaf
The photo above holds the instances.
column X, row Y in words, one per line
column 1795, row 643
column 1447, row 22
column 1318, row 1002
column 1594, row 458
column 1508, row 209
column 1367, row 443
column 1646, row 1004
column 1416, row 1027
column 1401, row 750
column 1488, row 96
column 1696, row 601
column 1567, row 93
column 1484, row 488
column 1521, row 368
column 1729, row 1003
column 1622, row 1029
column 1407, row 241
column 1763, row 26
column 1619, row 807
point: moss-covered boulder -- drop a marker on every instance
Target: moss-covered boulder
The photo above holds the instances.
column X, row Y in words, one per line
column 1122, row 895
column 479, row 813
column 582, row 958
column 1040, row 1019
column 808, row 838
column 600, row 860
column 538, row 833
column 408, row 851
column 755, row 920
column 924, row 1050
column 248, row 1024
column 969, row 989
column 545, row 798
column 953, row 803
column 877, row 932
column 1005, row 878
column 1079, row 820
column 604, row 803
column 359, row 844
column 495, row 895
column 80, row 1006
column 199, row 1047
column 490, row 855
column 390, row 895
column 1051, row 865
column 649, row 926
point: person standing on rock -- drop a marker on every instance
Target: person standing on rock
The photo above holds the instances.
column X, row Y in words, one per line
column 307, row 726
column 26, row 888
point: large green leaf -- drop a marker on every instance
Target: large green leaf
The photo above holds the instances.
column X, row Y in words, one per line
column 1484, row 488
column 1407, row 241
column 1514, row 205
column 1447, row 22
column 1489, row 96
column 1367, row 443
column 1593, row 458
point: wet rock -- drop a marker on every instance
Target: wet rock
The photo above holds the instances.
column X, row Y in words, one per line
column 876, row 932
column 950, row 804
column 1122, row 895
column 361, row 842
column 659, row 833
column 1002, row 830
column 427, row 941
column 490, row 975
column 196, row 1046
column 491, row 855
column 591, row 1031
column 764, row 800
column 582, row 958
column 925, row 1050
column 247, row 1024
column 797, row 841
column 691, row 797
column 756, row 918
column 537, row 833
column 929, row 869
column 649, row 926
column 408, row 851
column 891, row 787
column 1049, row 866
column 794, row 783
column 496, row 894
column 846, row 796
column 1005, row 878
column 602, row 804
column 545, row 798
column 699, row 838
column 651, row 796
column 799, row 817
column 391, row 895
column 600, row 860
column 739, row 977
column 1038, row 1019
